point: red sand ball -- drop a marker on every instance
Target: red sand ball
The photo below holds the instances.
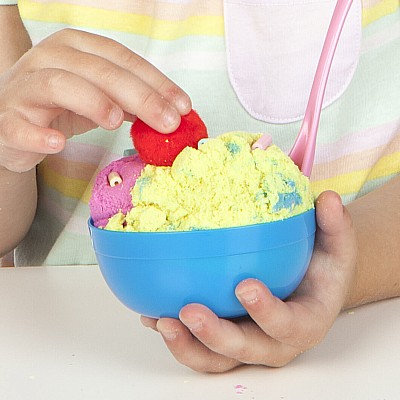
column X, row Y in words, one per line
column 161, row 149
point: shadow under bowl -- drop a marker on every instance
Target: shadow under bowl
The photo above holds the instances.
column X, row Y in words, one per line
column 157, row 273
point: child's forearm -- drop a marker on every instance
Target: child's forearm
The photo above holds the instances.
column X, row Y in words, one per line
column 18, row 198
column 376, row 218
column 17, row 190
column 14, row 39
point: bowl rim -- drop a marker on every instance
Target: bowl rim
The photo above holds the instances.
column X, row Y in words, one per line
column 203, row 243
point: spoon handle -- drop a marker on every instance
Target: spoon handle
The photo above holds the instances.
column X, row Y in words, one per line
column 303, row 150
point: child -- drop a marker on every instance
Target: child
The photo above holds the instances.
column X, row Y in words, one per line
column 54, row 95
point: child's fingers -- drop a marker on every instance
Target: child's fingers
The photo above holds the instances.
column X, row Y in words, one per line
column 55, row 89
column 149, row 322
column 278, row 330
column 48, row 93
column 24, row 137
column 304, row 320
column 332, row 265
column 125, row 88
column 139, row 86
column 335, row 235
column 186, row 348
column 119, row 54
column 133, row 94
column 189, row 351
column 241, row 340
column 19, row 135
column 299, row 324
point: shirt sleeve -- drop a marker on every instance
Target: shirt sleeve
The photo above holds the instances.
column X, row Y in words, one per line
column 8, row 2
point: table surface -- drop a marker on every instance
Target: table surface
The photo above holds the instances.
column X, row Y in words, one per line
column 63, row 335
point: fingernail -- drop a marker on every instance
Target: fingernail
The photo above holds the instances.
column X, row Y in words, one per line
column 170, row 117
column 193, row 324
column 115, row 117
column 183, row 105
column 53, row 141
column 168, row 334
column 146, row 323
column 247, row 296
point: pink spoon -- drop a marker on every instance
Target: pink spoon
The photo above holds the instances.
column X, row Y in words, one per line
column 303, row 150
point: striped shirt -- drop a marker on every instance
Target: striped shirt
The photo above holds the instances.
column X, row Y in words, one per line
column 358, row 146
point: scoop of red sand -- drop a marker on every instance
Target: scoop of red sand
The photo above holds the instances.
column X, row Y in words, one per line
column 162, row 148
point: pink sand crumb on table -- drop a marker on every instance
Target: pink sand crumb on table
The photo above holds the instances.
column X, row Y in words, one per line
column 240, row 389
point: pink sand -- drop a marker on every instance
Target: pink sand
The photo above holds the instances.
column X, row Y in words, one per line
column 107, row 200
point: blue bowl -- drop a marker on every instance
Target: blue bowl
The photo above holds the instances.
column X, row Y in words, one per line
column 157, row 273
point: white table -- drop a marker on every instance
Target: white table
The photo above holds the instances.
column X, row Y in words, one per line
column 63, row 335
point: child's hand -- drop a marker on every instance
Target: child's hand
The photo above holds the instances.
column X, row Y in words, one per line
column 277, row 331
column 73, row 82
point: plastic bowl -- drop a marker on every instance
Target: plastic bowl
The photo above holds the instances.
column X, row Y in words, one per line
column 157, row 273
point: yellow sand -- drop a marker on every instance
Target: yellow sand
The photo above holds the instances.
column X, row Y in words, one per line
column 222, row 184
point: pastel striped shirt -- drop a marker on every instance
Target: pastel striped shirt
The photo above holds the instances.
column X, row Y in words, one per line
column 358, row 146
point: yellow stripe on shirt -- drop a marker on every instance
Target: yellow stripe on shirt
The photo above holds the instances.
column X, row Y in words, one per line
column 378, row 10
column 83, row 16
column 353, row 182
column 162, row 29
column 69, row 187
column 161, row 9
column 386, row 165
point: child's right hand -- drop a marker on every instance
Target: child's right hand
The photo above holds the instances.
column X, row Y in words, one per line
column 72, row 82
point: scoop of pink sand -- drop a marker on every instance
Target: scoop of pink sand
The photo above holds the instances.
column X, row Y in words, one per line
column 107, row 200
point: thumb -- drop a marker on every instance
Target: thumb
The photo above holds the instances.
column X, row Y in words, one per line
column 332, row 265
column 335, row 234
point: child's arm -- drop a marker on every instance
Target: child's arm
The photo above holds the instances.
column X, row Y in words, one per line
column 17, row 191
column 376, row 219
column 69, row 83
column 356, row 260
column 14, row 40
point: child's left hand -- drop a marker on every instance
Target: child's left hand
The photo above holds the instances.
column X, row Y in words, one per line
column 277, row 331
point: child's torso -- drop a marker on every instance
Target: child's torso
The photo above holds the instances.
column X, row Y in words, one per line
column 234, row 84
